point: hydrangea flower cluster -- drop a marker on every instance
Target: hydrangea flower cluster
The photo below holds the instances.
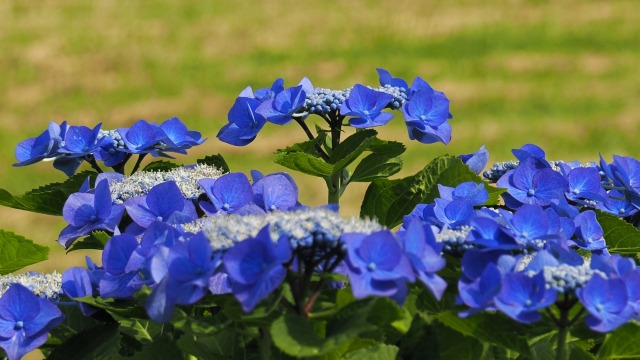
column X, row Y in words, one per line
column 48, row 286
column 425, row 110
column 68, row 145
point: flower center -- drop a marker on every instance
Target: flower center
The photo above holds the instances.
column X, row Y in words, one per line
column 159, row 218
column 531, row 192
column 19, row 325
column 371, row 266
column 226, row 206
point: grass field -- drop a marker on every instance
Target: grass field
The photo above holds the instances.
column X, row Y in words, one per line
column 562, row 74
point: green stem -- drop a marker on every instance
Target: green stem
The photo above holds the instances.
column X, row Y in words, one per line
column 138, row 162
column 92, row 161
column 309, row 134
column 335, row 182
column 562, row 338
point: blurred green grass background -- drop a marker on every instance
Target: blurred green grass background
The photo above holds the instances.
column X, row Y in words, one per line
column 562, row 74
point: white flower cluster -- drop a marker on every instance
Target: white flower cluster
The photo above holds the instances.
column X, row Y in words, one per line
column 186, row 177
column 564, row 278
column 301, row 226
column 454, row 240
column 44, row 285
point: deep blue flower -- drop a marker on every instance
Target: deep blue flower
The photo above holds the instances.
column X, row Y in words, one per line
column 474, row 192
column 615, row 203
column 529, row 223
column 376, row 264
column 76, row 283
column 479, row 293
column 228, row 193
column 181, row 274
column 178, row 137
column 110, row 152
column 452, row 213
column 488, row 233
column 606, row 300
column 255, row 267
column 423, row 252
column 264, row 94
column 532, row 182
column 43, row 146
column 121, row 278
column 276, row 191
column 590, row 235
column 476, row 160
column 141, row 137
column 625, row 172
column 244, row 123
column 365, row 106
column 522, row 296
column 86, row 212
column 165, row 203
column 584, row 183
column 387, row 79
column 280, row 109
column 79, row 141
column 25, row 321
column 528, row 150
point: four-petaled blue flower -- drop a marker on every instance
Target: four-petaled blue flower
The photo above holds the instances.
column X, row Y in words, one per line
column 255, row 267
column 281, row 108
column 366, row 105
column 377, row 265
column 426, row 115
column 86, row 212
column 25, row 321
column 244, row 123
column 164, row 203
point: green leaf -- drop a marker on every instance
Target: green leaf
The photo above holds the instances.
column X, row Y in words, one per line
column 492, row 328
column 389, row 200
column 48, row 199
column 621, row 237
column 160, row 165
column 298, row 336
column 95, row 241
column 308, row 147
column 116, row 307
column 74, row 322
column 622, row 343
column 17, row 252
column 375, row 166
column 378, row 352
column 100, row 342
column 304, row 163
column 226, row 344
column 349, row 149
column 386, row 148
column 215, row 160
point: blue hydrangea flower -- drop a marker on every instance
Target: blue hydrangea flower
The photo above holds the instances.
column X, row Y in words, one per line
column 178, row 137
column 25, row 321
column 423, row 252
column 584, row 183
column 121, row 278
column 165, row 203
column 479, row 293
column 276, row 191
column 476, row 160
column 181, row 274
column 532, row 182
column 43, row 146
column 228, row 193
column 387, row 79
column 377, row 265
column 590, row 235
column 365, row 106
column 264, row 94
column 141, row 137
column 522, row 296
column 244, row 123
column 606, row 300
column 615, row 203
column 528, row 150
column 255, row 267
column 86, row 212
column 79, row 141
column 281, row 108
column 426, row 115
column 76, row 283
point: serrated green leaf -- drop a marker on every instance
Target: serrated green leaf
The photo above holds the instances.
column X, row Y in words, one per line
column 17, row 252
column 215, row 160
column 307, row 147
column 160, row 165
column 389, row 200
column 386, row 148
column 349, row 149
column 375, row 166
column 491, row 328
column 117, row 307
column 95, row 241
column 304, row 163
column 621, row 237
column 100, row 342
column 621, row 343
column 48, row 199
column 377, row 352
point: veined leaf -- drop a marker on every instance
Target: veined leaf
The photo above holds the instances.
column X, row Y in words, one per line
column 17, row 252
column 621, row 237
column 376, row 166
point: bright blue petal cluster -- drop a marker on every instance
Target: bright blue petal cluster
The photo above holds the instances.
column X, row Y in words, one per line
column 25, row 321
column 425, row 110
column 69, row 146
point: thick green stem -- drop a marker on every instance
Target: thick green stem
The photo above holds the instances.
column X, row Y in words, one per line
column 335, row 182
column 563, row 332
